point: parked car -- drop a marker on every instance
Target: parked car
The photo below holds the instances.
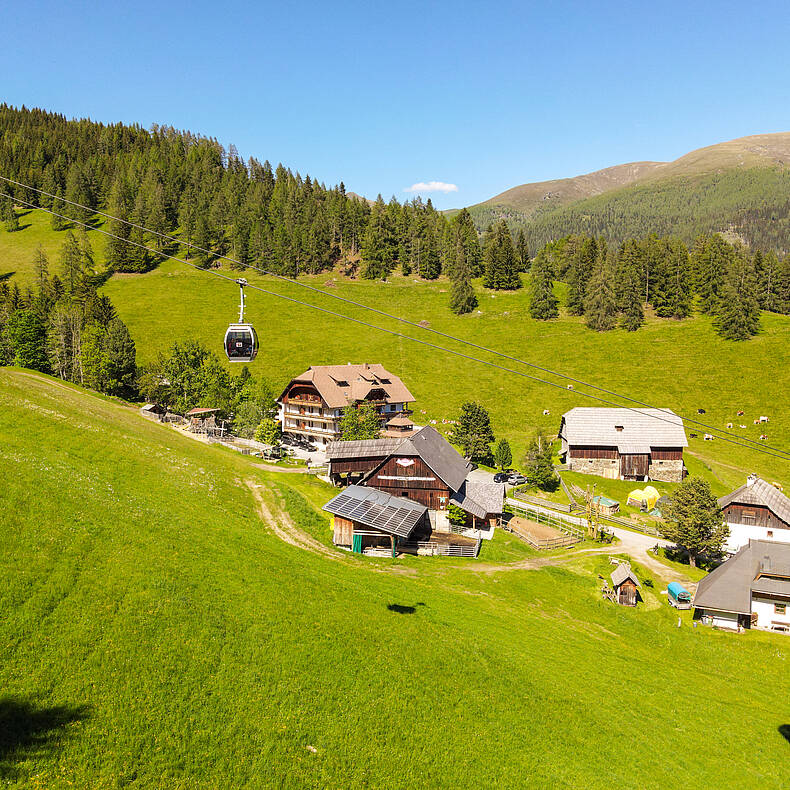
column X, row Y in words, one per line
column 501, row 477
column 516, row 479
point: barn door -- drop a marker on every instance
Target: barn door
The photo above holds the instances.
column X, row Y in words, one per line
column 634, row 465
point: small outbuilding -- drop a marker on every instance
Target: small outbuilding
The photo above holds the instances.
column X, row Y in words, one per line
column 625, row 585
column 606, row 506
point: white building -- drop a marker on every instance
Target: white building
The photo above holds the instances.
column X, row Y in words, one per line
column 755, row 511
column 312, row 404
column 750, row 590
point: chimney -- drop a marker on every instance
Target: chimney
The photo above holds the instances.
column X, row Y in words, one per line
column 750, row 480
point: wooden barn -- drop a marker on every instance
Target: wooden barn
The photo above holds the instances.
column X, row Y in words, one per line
column 423, row 468
column 367, row 519
column 755, row 511
column 625, row 444
column 625, row 585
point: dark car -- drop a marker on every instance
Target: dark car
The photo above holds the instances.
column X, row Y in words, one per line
column 501, row 477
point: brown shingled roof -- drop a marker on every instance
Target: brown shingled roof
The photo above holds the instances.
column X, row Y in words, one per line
column 340, row 385
column 757, row 492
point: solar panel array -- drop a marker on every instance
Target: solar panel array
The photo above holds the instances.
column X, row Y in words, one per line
column 378, row 510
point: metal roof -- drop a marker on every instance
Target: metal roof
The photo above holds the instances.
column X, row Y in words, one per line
column 394, row 515
column 771, row 586
column 362, row 448
column 729, row 587
column 642, row 429
column 621, row 573
column 757, row 492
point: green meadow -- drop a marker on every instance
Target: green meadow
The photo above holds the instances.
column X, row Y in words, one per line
column 156, row 632
column 682, row 365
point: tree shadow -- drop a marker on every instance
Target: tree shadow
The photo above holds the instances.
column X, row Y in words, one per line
column 28, row 730
column 401, row 609
column 784, row 731
column 6, row 276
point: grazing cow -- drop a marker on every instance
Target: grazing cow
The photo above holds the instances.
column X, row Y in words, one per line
column 763, row 437
column 570, row 386
column 740, row 412
column 546, row 412
column 741, row 426
column 756, row 422
column 763, row 419
column 700, row 411
column 729, row 425
column 708, row 437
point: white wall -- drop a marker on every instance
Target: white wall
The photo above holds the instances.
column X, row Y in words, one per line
column 721, row 619
column 764, row 609
column 740, row 534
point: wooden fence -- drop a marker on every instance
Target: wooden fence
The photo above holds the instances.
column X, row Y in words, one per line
column 436, row 549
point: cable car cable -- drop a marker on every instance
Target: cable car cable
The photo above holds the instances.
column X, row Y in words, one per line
column 690, row 420
column 764, row 449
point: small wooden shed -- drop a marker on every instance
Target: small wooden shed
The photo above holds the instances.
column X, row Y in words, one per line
column 625, row 585
column 606, row 506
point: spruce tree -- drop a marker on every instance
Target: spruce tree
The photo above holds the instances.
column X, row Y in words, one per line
column 119, row 255
column 600, row 305
column 71, row 263
column 672, row 291
column 543, row 304
column 738, row 312
column 583, row 255
column 522, row 251
column 629, row 290
column 712, row 262
column 501, row 266
column 462, row 294
column 503, row 456
column 472, row 431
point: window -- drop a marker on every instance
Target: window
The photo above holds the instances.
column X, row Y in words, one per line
column 780, row 608
column 590, row 461
column 770, row 533
column 618, row 427
column 342, row 383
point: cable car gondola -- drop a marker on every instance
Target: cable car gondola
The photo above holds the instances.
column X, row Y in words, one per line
column 241, row 340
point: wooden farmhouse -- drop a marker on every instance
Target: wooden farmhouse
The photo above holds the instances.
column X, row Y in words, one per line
column 749, row 590
column 625, row 585
column 755, row 511
column 312, row 404
column 625, row 444
column 425, row 469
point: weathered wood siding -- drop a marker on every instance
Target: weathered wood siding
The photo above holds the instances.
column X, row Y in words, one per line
column 354, row 465
column 592, row 452
column 416, row 481
column 344, row 529
column 634, row 465
column 667, row 453
column 756, row 515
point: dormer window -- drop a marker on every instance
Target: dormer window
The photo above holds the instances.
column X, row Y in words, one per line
column 342, row 383
column 618, row 428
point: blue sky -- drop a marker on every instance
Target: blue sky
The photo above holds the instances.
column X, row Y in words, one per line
column 383, row 97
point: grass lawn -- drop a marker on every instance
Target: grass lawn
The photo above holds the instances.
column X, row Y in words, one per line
column 156, row 633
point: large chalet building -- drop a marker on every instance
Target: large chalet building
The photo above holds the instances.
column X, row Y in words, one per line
column 424, row 475
column 312, row 404
column 625, row 444
column 755, row 511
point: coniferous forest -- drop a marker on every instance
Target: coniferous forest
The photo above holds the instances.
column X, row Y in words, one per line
column 177, row 183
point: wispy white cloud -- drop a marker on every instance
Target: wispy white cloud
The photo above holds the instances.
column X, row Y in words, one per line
column 431, row 186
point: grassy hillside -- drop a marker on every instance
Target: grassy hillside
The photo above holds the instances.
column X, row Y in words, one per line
column 156, row 632
column 681, row 365
column 741, row 186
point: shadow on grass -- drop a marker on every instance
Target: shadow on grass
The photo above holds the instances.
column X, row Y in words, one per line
column 676, row 554
column 6, row 276
column 401, row 609
column 784, row 731
column 28, row 730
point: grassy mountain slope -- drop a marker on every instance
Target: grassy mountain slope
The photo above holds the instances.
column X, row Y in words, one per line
column 682, row 365
column 156, row 632
column 741, row 185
